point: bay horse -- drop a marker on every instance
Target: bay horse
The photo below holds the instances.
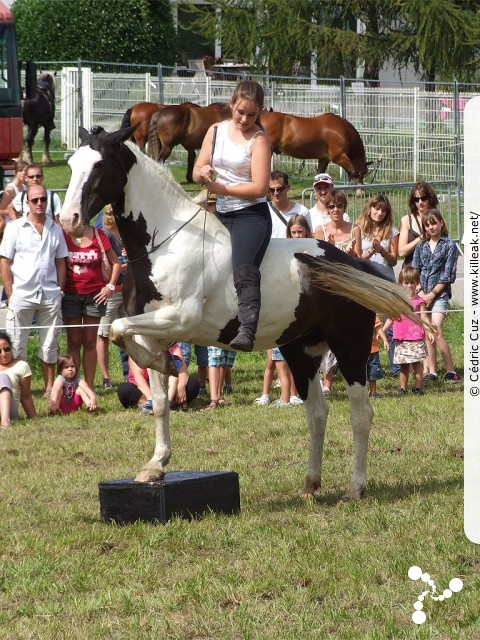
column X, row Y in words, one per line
column 326, row 137
column 40, row 112
column 179, row 287
column 141, row 114
column 184, row 124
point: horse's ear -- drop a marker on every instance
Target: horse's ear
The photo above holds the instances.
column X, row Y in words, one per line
column 123, row 134
column 83, row 135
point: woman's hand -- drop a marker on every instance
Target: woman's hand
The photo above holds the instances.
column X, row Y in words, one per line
column 206, row 173
column 103, row 295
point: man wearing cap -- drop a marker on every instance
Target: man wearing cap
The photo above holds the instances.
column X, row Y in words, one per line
column 281, row 207
column 319, row 216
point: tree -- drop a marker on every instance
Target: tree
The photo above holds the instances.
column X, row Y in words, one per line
column 438, row 37
column 132, row 31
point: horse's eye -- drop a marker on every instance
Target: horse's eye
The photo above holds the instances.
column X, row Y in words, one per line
column 99, row 164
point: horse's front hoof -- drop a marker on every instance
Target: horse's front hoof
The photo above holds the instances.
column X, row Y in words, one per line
column 149, row 474
column 354, row 494
column 310, row 486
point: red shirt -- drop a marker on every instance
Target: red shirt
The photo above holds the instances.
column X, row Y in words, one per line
column 84, row 266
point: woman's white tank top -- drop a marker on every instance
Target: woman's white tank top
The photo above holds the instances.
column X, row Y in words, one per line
column 232, row 165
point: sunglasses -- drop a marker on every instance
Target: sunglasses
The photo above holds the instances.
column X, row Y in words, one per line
column 36, row 175
column 37, row 200
column 421, row 199
column 335, row 206
column 5, row 349
column 279, row 189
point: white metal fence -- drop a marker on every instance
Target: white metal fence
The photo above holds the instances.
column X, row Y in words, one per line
column 410, row 132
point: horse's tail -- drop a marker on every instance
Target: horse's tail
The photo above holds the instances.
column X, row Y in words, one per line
column 126, row 119
column 370, row 291
column 154, row 145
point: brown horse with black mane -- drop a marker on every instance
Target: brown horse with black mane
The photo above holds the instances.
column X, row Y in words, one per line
column 327, row 137
column 184, row 124
column 141, row 114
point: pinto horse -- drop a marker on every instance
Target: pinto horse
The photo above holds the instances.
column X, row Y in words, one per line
column 327, row 137
column 179, row 286
column 184, row 124
column 40, row 112
column 141, row 114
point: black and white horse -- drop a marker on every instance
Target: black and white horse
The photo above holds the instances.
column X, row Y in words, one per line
column 179, row 287
column 40, row 112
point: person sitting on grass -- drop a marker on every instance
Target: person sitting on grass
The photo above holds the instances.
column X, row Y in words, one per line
column 136, row 391
column 69, row 392
column 15, row 382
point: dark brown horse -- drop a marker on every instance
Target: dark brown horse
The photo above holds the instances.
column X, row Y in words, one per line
column 40, row 112
column 184, row 124
column 327, row 137
column 141, row 114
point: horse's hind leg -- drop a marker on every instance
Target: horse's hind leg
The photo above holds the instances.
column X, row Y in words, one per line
column 361, row 415
column 46, row 148
column 304, row 369
column 191, row 162
column 27, row 153
column 351, row 344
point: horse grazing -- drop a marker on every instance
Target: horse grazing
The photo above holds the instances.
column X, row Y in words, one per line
column 40, row 112
column 327, row 137
column 184, row 124
column 179, row 287
column 141, row 114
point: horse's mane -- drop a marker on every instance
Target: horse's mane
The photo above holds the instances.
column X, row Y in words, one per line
column 160, row 175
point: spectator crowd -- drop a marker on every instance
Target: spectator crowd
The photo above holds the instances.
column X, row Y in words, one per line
column 53, row 280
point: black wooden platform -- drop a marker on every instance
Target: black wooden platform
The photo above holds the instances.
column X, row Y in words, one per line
column 186, row 494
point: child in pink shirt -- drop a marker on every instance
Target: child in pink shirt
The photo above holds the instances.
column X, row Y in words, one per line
column 409, row 338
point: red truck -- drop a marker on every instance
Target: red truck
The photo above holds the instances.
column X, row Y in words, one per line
column 11, row 120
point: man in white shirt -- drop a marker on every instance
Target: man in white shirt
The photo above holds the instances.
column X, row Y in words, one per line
column 323, row 185
column 33, row 270
column 281, row 207
column 19, row 205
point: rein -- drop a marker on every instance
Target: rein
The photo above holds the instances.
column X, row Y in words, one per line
column 157, row 246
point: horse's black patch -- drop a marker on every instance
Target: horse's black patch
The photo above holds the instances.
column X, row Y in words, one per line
column 138, row 289
column 229, row 331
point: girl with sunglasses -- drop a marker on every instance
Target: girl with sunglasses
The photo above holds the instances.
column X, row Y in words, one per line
column 15, row 381
column 422, row 198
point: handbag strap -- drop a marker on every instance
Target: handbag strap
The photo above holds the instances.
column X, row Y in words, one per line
column 100, row 243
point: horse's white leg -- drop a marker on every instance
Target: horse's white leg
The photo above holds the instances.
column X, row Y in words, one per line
column 316, row 408
column 361, row 415
column 152, row 324
column 154, row 470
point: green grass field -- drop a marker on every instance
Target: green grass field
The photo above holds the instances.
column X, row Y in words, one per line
column 284, row 567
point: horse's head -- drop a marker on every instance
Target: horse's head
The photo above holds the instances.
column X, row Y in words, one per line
column 100, row 168
column 359, row 172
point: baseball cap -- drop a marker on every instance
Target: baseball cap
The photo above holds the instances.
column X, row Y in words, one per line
column 323, row 177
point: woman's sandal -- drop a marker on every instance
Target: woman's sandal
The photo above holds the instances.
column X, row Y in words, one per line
column 215, row 404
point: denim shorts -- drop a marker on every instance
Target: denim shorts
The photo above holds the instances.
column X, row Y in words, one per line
column 439, row 306
column 77, row 305
column 374, row 368
column 276, row 355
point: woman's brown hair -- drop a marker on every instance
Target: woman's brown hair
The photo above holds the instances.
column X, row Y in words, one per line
column 378, row 201
column 249, row 90
column 433, row 215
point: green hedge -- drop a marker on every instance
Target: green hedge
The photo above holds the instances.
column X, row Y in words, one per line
column 131, row 31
